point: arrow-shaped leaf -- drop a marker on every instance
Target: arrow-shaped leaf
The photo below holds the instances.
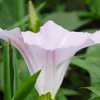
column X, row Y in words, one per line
column 24, row 90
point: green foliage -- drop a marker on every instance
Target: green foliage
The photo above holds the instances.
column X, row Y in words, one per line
column 70, row 20
column 97, row 98
column 95, row 7
column 24, row 90
column 19, row 9
column 86, row 65
column 94, row 60
column 61, row 96
column 96, row 90
column 6, row 14
column 62, row 93
column 91, row 30
column 68, row 92
column 19, row 23
column 87, row 2
column 23, row 74
column 1, row 76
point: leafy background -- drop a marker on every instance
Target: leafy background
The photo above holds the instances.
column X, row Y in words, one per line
column 73, row 15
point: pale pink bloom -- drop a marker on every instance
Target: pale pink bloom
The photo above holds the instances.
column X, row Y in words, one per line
column 51, row 49
column 1, row 30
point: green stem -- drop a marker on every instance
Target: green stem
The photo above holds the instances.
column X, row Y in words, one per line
column 7, row 89
column 15, row 71
column 11, row 68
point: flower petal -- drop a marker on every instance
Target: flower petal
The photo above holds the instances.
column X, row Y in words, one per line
column 14, row 37
column 75, row 39
column 91, row 40
column 96, row 37
column 53, row 33
column 63, row 57
column 1, row 30
column 52, row 74
column 46, row 35
column 32, row 38
column 45, row 61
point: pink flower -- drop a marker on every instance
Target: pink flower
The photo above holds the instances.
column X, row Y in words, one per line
column 51, row 49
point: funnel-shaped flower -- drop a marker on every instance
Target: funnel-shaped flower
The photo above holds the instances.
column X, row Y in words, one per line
column 51, row 49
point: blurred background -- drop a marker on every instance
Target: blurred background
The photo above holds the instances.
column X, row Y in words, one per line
column 73, row 15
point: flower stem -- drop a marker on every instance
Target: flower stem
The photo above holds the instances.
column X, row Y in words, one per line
column 15, row 71
column 11, row 67
column 7, row 89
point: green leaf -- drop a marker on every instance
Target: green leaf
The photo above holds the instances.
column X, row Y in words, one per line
column 1, row 76
column 19, row 6
column 84, row 14
column 62, row 93
column 88, row 2
column 94, row 60
column 95, row 90
column 6, row 14
column 40, row 6
column 24, row 90
column 19, row 9
column 85, row 65
column 91, row 30
column 68, row 20
column 95, row 53
column 61, row 96
column 95, row 7
column 1, row 88
column 18, row 23
column 97, row 98
column 68, row 92
column 23, row 74
column 46, row 96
